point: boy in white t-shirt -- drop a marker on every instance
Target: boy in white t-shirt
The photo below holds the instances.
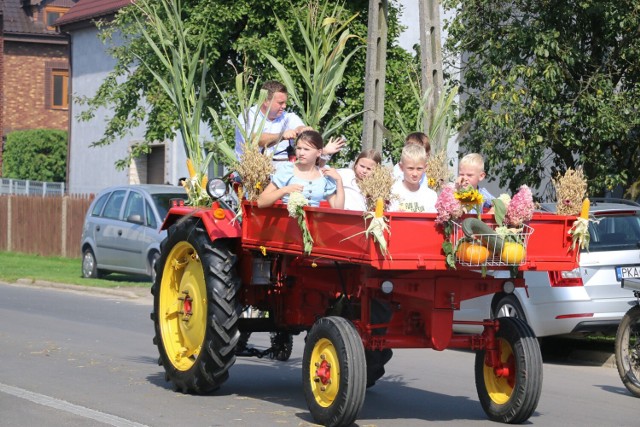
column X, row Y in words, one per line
column 408, row 195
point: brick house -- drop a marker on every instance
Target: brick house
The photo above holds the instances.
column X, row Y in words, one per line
column 34, row 66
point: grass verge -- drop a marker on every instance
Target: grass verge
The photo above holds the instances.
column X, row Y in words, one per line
column 14, row 266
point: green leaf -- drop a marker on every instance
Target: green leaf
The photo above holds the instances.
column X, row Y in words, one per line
column 499, row 211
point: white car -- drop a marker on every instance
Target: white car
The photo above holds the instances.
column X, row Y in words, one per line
column 586, row 300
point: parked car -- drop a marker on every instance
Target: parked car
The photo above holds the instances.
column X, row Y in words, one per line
column 121, row 230
column 586, row 300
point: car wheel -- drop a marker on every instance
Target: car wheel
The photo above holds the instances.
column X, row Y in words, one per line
column 89, row 265
column 509, row 306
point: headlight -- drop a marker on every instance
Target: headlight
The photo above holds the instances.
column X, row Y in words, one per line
column 216, row 188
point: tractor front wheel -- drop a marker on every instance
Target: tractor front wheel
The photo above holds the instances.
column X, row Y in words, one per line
column 334, row 372
column 510, row 391
column 196, row 309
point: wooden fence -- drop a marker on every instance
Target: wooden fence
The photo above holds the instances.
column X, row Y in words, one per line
column 47, row 226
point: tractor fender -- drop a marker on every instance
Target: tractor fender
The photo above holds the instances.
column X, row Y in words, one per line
column 219, row 223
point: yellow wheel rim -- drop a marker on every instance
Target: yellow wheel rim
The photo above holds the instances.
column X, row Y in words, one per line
column 182, row 307
column 324, row 372
column 500, row 383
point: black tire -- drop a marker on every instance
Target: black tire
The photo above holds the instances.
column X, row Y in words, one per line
column 512, row 398
column 195, row 309
column 90, row 265
column 334, row 372
column 509, row 306
column 627, row 350
column 243, row 342
column 282, row 345
column 376, row 359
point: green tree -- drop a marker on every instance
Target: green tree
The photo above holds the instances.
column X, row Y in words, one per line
column 238, row 35
column 38, row 154
column 551, row 85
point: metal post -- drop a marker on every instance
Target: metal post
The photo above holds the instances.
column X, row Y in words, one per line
column 430, row 54
column 373, row 126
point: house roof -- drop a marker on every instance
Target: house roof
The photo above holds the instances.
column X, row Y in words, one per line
column 17, row 19
column 90, row 9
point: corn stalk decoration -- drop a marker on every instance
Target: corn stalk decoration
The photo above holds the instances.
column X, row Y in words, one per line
column 162, row 27
column 322, row 64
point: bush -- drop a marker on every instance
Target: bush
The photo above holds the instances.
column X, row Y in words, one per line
column 38, row 154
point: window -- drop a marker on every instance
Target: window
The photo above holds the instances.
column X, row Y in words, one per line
column 112, row 209
column 52, row 14
column 60, row 89
column 97, row 208
column 151, row 219
column 134, row 209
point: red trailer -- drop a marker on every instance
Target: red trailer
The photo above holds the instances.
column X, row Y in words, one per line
column 354, row 303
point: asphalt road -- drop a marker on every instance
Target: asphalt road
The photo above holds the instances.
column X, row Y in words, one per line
column 79, row 359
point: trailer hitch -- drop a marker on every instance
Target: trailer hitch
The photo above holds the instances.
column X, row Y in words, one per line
column 254, row 352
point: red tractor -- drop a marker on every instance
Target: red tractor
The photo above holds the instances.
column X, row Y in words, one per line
column 354, row 302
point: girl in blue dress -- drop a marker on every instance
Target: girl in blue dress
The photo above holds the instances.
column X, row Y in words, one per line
column 305, row 176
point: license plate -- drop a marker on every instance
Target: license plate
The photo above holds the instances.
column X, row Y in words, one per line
column 628, row 272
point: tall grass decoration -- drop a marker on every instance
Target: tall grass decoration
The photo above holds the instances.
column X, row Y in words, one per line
column 321, row 65
column 182, row 77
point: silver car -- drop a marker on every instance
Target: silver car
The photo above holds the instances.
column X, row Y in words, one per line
column 121, row 230
column 586, row 300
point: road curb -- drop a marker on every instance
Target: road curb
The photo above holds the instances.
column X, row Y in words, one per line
column 79, row 288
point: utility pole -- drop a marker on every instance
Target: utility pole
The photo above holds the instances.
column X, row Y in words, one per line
column 430, row 66
column 373, row 126
column 430, row 55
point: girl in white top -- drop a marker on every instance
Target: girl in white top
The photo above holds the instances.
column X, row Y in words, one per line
column 364, row 165
column 408, row 195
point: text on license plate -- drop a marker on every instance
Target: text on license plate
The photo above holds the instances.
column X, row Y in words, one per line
column 629, row 271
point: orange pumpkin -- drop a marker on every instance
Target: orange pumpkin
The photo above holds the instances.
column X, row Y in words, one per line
column 472, row 253
column 512, row 253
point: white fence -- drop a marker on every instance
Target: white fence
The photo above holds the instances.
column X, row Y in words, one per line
column 31, row 188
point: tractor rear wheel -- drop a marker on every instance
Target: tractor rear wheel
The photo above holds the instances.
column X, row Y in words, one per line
column 334, row 372
column 196, row 309
column 509, row 393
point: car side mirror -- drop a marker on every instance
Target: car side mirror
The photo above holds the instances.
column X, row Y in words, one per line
column 135, row 218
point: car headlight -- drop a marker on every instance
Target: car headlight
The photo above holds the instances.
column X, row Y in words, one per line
column 216, row 188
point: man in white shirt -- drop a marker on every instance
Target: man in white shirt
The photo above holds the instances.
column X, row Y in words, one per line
column 280, row 126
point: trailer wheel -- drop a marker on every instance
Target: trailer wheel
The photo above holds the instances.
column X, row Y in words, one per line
column 510, row 393
column 334, row 372
column 376, row 359
column 628, row 350
column 195, row 309
column 282, row 345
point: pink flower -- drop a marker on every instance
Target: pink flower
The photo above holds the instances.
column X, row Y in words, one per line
column 447, row 205
column 521, row 208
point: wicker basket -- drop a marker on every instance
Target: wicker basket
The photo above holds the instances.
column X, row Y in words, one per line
column 495, row 258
